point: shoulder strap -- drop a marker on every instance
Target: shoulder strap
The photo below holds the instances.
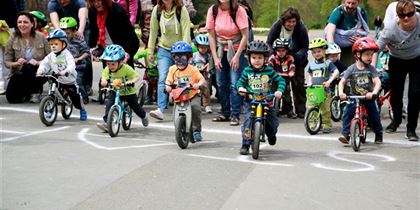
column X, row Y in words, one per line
column 215, row 9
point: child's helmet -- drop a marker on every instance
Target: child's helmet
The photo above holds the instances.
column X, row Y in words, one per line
column 57, row 34
column 68, row 23
column 113, row 53
column 181, row 47
column 258, row 46
column 202, row 39
column 318, row 43
column 364, row 43
column 39, row 16
column 333, row 48
column 281, row 43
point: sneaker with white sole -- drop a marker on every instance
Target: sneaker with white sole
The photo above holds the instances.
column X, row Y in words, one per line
column 208, row 109
column 35, row 98
column 145, row 121
column 158, row 114
column 103, row 127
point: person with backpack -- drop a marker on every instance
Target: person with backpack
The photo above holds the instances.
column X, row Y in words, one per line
column 227, row 24
column 250, row 14
column 347, row 23
column 169, row 23
column 290, row 27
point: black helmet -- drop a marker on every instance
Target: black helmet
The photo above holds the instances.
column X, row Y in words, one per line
column 258, row 46
column 281, row 43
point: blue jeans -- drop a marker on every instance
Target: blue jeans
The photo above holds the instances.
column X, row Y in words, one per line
column 164, row 62
column 271, row 124
column 372, row 112
column 226, row 80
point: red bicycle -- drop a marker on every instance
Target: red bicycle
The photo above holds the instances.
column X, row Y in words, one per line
column 359, row 123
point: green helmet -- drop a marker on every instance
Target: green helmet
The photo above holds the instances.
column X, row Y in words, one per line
column 39, row 16
column 318, row 43
column 68, row 22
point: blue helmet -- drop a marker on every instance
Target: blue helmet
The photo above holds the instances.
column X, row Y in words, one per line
column 57, row 34
column 181, row 47
column 202, row 39
column 113, row 53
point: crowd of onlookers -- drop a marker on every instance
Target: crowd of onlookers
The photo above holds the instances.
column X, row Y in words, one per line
column 92, row 25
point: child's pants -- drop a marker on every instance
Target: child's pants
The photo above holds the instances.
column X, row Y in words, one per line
column 132, row 101
column 196, row 113
column 75, row 97
column 205, row 92
column 271, row 124
column 372, row 111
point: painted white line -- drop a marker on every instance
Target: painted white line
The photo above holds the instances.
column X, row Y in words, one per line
column 12, row 132
column 82, row 137
column 367, row 166
column 244, row 159
column 330, row 137
column 34, row 133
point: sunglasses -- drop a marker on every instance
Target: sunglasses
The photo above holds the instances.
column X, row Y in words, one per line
column 403, row 15
column 180, row 57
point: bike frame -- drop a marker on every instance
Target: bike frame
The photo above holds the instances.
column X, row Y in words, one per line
column 183, row 108
column 53, row 90
column 359, row 115
column 259, row 111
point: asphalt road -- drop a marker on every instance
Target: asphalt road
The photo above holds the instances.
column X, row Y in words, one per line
column 73, row 165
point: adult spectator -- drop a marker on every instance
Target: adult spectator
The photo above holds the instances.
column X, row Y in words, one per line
column 346, row 24
column 172, row 26
column 378, row 24
column 70, row 8
column 290, row 27
column 250, row 13
column 110, row 25
column 227, row 24
column 24, row 51
column 402, row 38
column 131, row 7
column 391, row 14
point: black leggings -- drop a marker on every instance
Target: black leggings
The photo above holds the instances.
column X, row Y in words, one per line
column 398, row 70
column 24, row 83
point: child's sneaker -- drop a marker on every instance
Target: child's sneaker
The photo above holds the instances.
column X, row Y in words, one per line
column 156, row 114
column 244, row 150
column 272, row 140
column 378, row 138
column 344, row 139
column 103, row 127
column 197, row 136
column 83, row 115
column 145, row 121
column 291, row 115
column 208, row 109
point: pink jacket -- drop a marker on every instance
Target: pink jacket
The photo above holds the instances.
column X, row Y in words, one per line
column 131, row 7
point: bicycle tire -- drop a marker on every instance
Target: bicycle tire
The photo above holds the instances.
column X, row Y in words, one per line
column 181, row 132
column 113, row 121
column 66, row 110
column 127, row 117
column 313, row 120
column 258, row 131
column 335, row 108
column 48, row 111
column 355, row 138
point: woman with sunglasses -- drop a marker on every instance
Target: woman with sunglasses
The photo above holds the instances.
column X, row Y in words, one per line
column 391, row 14
column 402, row 38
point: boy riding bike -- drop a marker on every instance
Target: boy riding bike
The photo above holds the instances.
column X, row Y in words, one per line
column 117, row 69
column 183, row 74
column 259, row 78
column 284, row 65
column 61, row 62
column 364, row 81
column 322, row 72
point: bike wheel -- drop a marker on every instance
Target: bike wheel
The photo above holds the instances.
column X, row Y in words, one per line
column 258, row 131
column 48, row 111
column 67, row 109
column 113, row 121
column 276, row 106
column 126, row 117
column 181, row 136
column 335, row 108
column 391, row 114
column 142, row 94
column 102, row 96
column 312, row 121
column 355, row 137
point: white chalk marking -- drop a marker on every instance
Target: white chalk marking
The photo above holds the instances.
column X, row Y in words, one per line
column 34, row 133
column 244, row 159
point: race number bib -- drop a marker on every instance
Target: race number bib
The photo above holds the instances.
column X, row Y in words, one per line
column 284, row 68
column 317, row 73
column 362, row 80
column 257, row 85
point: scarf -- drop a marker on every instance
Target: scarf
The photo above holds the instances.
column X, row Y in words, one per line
column 101, row 20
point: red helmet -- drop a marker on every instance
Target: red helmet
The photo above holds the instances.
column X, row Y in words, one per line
column 365, row 43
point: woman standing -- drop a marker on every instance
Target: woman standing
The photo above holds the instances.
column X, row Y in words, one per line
column 131, row 7
column 290, row 27
column 24, row 51
column 227, row 25
column 169, row 23
column 402, row 38
column 110, row 25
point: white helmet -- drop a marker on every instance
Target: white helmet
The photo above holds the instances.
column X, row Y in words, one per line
column 333, row 48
